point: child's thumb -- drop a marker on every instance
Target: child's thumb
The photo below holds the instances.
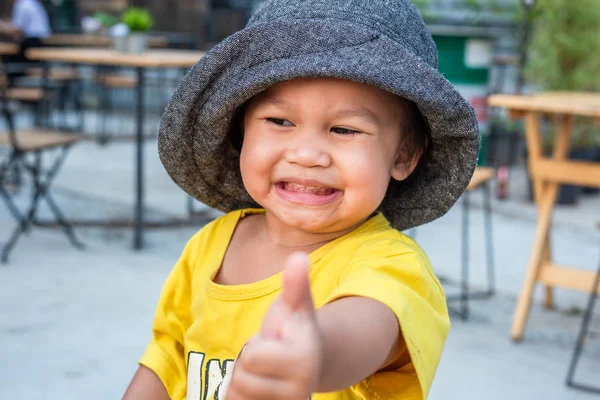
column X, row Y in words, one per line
column 295, row 300
column 296, row 295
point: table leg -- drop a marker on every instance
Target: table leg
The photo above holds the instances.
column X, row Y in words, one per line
column 548, row 290
column 545, row 196
column 139, row 177
column 535, row 262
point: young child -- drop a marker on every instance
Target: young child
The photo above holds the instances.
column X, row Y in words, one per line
column 323, row 129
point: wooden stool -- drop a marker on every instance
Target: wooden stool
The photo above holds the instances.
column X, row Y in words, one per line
column 31, row 96
column 110, row 82
column 481, row 178
column 64, row 83
column 26, row 94
column 55, row 74
column 583, row 332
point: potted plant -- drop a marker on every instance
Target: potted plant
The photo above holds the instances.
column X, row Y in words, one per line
column 139, row 21
column 105, row 19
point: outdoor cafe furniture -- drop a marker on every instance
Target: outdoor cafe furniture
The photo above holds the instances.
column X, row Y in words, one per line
column 7, row 48
column 26, row 151
column 111, row 82
column 481, row 179
column 156, row 59
column 583, row 332
column 93, row 40
column 547, row 173
column 30, row 95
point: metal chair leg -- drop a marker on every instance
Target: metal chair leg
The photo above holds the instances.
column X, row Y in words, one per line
column 11, row 163
column 67, row 227
column 465, row 293
column 464, row 284
column 43, row 189
column 40, row 188
column 583, row 331
column 489, row 242
column 19, row 229
column 36, row 171
column 76, row 96
column 10, row 204
column 107, row 111
column 22, row 227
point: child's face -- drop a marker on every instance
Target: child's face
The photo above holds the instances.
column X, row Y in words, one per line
column 318, row 154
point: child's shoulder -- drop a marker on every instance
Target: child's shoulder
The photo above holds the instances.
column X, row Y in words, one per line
column 377, row 245
column 214, row 236
column 376, row 236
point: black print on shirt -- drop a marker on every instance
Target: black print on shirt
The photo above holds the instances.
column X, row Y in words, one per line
column 205, row 377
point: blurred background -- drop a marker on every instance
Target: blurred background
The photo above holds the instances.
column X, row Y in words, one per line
column 90, row 223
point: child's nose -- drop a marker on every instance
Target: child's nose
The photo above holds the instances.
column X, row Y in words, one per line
column 308, row 151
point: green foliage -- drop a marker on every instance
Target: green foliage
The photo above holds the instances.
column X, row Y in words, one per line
column 509, row 9
column 107, row 20
column 563, row 53
column 137, row 19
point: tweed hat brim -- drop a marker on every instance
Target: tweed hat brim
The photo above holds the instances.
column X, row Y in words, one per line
column 193, row 135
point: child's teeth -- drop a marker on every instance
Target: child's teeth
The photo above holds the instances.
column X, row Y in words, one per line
column 307, row 189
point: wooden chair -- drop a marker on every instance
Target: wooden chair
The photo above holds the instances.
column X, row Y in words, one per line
column 65, row 83
column 481, row 179
column 110, row 82
column 25, row 151
column 32, row 96
column 54, row 74
column 583, row 332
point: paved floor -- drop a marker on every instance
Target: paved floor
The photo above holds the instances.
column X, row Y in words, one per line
column 73, row 323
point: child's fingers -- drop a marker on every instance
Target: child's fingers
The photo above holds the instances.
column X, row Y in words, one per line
column 246, row 385
column 274, row 359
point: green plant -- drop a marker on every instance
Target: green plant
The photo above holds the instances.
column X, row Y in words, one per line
column 563, row 48
column 137, row 19
column 562, row 56
column 474, row 10
column 107, row 20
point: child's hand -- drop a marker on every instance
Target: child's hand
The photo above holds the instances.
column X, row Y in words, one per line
column 284, row 361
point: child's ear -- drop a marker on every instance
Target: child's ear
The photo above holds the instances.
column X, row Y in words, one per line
column 404, row 166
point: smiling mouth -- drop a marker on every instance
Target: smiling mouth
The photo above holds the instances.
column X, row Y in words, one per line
column 306, row 194
column 317, row 190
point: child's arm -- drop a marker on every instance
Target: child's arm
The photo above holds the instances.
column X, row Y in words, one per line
column 301, row 351
column 146, row 385
column 360, row 336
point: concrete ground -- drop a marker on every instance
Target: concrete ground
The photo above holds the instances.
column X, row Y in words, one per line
column 73, row 323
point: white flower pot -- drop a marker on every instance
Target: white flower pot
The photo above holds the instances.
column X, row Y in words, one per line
column 120, row 43
column 137, row 42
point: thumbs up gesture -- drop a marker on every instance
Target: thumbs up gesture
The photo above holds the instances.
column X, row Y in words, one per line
column 284, row 360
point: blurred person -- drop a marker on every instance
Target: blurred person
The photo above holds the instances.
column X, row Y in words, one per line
column 28, row 26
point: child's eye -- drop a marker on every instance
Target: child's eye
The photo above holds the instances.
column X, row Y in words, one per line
column 279, row 121
column 344, row 131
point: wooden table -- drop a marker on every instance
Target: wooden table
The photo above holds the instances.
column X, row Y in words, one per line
column 547, row 173
column 7, row 48
column 92, row 40
column 149, row 59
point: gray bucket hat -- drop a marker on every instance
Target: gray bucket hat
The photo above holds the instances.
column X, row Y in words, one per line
column 383, row 43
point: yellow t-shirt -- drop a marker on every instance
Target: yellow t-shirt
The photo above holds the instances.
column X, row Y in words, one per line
column 200, row 326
